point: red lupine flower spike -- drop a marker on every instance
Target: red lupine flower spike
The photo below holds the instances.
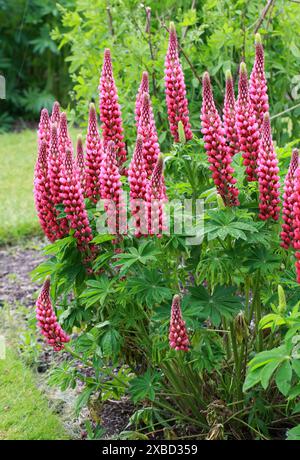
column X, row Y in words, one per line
column 111, row 191
column 93, row 157
column 268, row 178
column 80, row 161
column 73, row 200
column 178, row 336
column 215, row 146
column 287, row 233
column 55, row 116
column 258, row 84
column 177, row 103
column 137, row 178
column 144, row 88
column 44, row 131
column 64, row 140
column 54, row 173
column 229, row 117
column 42, row 196
column 155, row 200
column 247, row 126
column 47, row 320
column 110, row 112
column 296, row 221
column 147, row 130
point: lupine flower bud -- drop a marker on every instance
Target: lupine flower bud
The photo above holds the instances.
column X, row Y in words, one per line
column 281, row 299
column 296, row 221
column 80, row 161
column 144, row 88
column 55, row 115
column 241, row 327
column 247, row 126
column 44, row 131
column 229, row 117
column 258, row 84
column 110, row 113
column 177, row 102
column 137, row 178
column 268, row 178
column 155, row 200
column 54, row 172
column 64, row 140
column 287, row 233
column 74, row 206
column 178, row 337
column 147, row 130
column 47, row 321
column 42, row 196
column 111, row 191
column 215, row 146
column 93, row 158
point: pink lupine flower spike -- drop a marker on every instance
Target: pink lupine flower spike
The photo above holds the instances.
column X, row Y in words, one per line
column 178, row 337
column 229, row 117
column 287, row 233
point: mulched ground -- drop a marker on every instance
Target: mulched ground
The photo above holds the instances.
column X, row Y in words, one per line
column 16, row 288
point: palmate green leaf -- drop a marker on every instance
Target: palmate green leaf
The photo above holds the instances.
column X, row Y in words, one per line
column 145, row 253
column 283, row 377
column 150, row 288
column 264, row 261
column 222, row 302
column 97, row 291
column 145, row 386
column 294, row 434
column 225, row 223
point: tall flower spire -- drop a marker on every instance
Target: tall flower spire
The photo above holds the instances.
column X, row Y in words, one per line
column 229, row 117
column 44, row 131
column 42, row 196
column 258, row 84
column 247, row 126
column 110, row 112
column 54, row 172
column 55, row 115
column 72, row 198
column 80, row 161
column 64, row 140
column 144, row 88
column 268, row 178
column 93, row 158
column 296, row 221
column 177, row 102
column 178, row 337
column 155, row 200
column 287, row 233
column 215, row 146
column 137, row 178
column 147, row 130
column 47, row 320
column 111, row 191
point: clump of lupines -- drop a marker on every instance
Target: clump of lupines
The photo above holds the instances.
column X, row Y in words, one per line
column 147, row 130
column 155, row 200
column 93, row 158
column 229, row 117
column 247, row 126
column 111, row 191
column 258, row 84
column 287, row 233
column 110, row 112
column 267, row 171
column 80, row 161
column 64, row 140
column 44, row 131
column 144, row 88
column 73, row 200
column 178, row 337
column 296, row 221
column 215, row 146
column 42, row 196
column 55, row 115
column 177, row 103
column 137, row 178
column 54, row 172
column 47, row 321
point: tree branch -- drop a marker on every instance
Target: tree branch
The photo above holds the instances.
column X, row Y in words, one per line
column 263, row 15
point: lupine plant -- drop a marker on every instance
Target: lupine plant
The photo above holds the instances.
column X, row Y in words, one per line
column 178, row 314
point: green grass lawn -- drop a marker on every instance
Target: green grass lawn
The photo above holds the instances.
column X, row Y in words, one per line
column 24, row 411
column 18, row 153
